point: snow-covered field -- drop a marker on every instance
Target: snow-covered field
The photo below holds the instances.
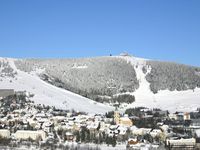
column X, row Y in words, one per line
column 48, row 94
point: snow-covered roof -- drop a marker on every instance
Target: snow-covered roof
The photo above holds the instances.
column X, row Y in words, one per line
column 68, row 134
column 133, row 128
column 197, row 131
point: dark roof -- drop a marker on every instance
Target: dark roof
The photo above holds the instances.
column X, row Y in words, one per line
column 6, row 92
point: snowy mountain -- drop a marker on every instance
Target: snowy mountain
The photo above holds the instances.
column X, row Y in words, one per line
column 55, row 81
column 44, row 93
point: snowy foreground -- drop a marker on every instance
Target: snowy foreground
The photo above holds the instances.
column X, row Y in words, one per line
column 81, row 147
column 48, row 94
column 89, row 146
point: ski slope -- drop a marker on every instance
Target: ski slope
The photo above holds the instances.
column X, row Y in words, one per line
column 185, row 101
column 48, row 94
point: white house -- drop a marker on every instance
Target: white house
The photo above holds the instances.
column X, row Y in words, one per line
column 26, row 134
column 155, row 132
column 139, row 131
column 4, row 133
column 181, row 142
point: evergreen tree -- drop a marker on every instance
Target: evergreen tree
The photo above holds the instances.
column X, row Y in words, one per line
column 87, row 135
column 114, row 142
column 82, row 135
column 77, row 136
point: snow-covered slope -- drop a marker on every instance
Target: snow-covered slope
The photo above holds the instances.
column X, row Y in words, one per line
column 108, row 69
column 171, row 100
column 48, row 94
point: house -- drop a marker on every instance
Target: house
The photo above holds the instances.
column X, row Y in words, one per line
column 139, row 131
column 165, row 128
column 113, row 130
column 172, row 116
column 176, row 143
column 186, row 116
column 124, row 54
column 155, row 132
column 197, row 135
column 26, row 134
column 195, row 123
column 6, row 92
column 92, row 125
column 123, row 121
column 131, row 142
column 5, row 133
column 180, row 116
column 122, row 130
column 160, row 112
column 104, row 126
column 69, row 137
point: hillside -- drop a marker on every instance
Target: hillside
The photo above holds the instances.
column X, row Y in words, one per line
column 89, row 77
column 45, row 93
column 127, row 80
column 172, row 76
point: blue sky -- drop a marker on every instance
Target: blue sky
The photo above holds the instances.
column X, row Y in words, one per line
column 157, row 29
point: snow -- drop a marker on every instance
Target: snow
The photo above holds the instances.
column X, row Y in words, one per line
column 197, row 131
column 48, row 94
column 103, row 146
column 190, row 141
column 45, row 93
column 79, row 66
column 173, row 101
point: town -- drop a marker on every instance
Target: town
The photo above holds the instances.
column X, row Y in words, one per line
column 26, row 124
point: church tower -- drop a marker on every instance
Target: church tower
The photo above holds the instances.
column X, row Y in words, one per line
column 116, row 117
